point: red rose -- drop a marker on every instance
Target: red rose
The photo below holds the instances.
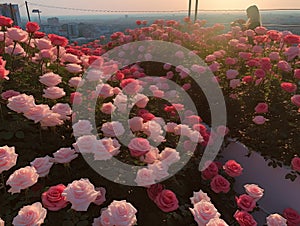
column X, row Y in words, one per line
column 138, row 22
column 210, row 171
column 220, row 184
column 5, row 21
column 246, row 202
column 32, row 27
column 57, row 40
column 167, row 201
column 244, row 218
column 292, row 216
column 53, row 200
column 154, row 190
column 39, row 34
column 296, row 164
column 232, row 168
column 288, row 87
column 247, row 79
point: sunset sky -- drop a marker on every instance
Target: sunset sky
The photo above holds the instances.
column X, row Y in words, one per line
column 150, row 5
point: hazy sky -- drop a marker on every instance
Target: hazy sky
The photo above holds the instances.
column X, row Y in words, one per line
column 149, row 5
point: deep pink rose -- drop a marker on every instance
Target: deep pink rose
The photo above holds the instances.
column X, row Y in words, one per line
column 232, row 168
column 101, row 196
column 32, row 27
column 292, row 216
column 296, row 164
column 220, row 184
column 296, row 100
column 260, row 73
column 288, row 87
column 154, row 190
column 52, row 198
column 246, row 202
column 259, row 120
column 244, row 218
column 139, row 146
column 167, row 201
column 210, row 171
column 57, row 40
column 261, row 108
column 297, row 73
column 8, row 158
column 5, row 21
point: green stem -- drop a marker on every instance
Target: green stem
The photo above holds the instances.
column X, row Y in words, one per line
column 3, row 182
column 57, row 59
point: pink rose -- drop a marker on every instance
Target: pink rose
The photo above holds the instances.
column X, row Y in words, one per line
column 276, row 220
column 64, row 155
column 22, row 178
column 82, row 127
column 63, row 109
column 296, row 164
column 297, row 73
column 8, row 94
column 259, row 120
column 216, row 222
column 42, row 165
column 292, row 216
column 119, row 213
column 145, row 177
column 231, row 74
column 140, row 100
column 296, row 100
column 51, row 119
column 37, row 113
column 17, row 34
column 211, row 170
column 75, row 82
column 288, row 87
column 76, row 98
column 254, row 191
column 87, row 144
column 107, row 148
column 232, row 168
column 246, row 202
column 244, row 218
column 21, row 103
column 234, row 83
column 70, row 58
column 160, row 170
column 274, row 56
column 284, row 66
column 43, row 44
column 130, row 86
column 105, row 90
column 108, row 108
column 73, row 68
column 260, row 73
column 167, row 201
column 154, row 190
column 261, row 108
column 151, row 156
column 101, row 196
column 169, row 156
column 220, row 184
column 113, row 129
column 198, row 196
column 8, row 158
column 139, row 146
column 2, row 222
column 203, row 212
column 33, row 214
column 136, row 124
column 50, row 79
column 53, row 200
column 53, row 93
column 291, row 53
column 80, row 193
column 4, row 73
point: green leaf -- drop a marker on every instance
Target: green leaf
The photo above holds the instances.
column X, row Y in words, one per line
column 20, row 134
column 6, row 135
column 82, row 223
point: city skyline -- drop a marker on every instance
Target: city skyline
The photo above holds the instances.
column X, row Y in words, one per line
column 152, row 5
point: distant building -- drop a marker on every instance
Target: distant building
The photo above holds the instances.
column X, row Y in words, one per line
column 53, row 21
column 73, row 30
column 12, row 11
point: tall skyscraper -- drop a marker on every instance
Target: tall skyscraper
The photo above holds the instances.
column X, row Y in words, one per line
column 12, row 11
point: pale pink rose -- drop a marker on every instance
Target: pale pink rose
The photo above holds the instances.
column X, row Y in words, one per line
column 94, row 75
column 259, row 120
column 292, row 52
column 63, row 109
column 158, row 93
column 105, row 90
column 234, row 83
column 231, row 74
column 160, row 170
column 8, row 158
column 153, row 130
column 33, row 215
column 97, row 222
column 113, row 129
column 261, row 108
column 222, row 130
column 249, row 33
column 116, row 90
column 37, row 113
column 296, row 100
column 42, row 165
column 75, row 82
column 52, row 119
column 261, row 30
column 203, row 212
column 22, row 178
column 119, row 213
column 296, row 164
column 101, row 196
column 2, row 222
column 183, row 130
column 145, row 177
column 121, row 102
column 64, row 155
column 196, row 137
column 108, row 108
column 198, row 196
column 112, row 146
column 50, row 79
column 136, row 124
column 21, row 103
column 47, row 54
column 11, row 93
column 139, row 146
column 197, row 68
column 80, row 193
column 82, row 127
column 17, row 34
column 274, row 56
column 53, row 93
column 151, row 156
column 140, row 100
column 254, row 191
column 43, row 43
column 169, row 156
column 284, row 66
column 86, row 144
column 216, row 222
column 232, row 168
column 73, row 68
column 170, row 127
column 17, row 50
column 70, row 58
column 276, row 220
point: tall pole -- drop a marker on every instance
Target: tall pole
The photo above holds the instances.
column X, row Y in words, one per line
column 12, row 15
column 39, row 17
column 190, row 8
column 196, row 11
column 27, row 11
